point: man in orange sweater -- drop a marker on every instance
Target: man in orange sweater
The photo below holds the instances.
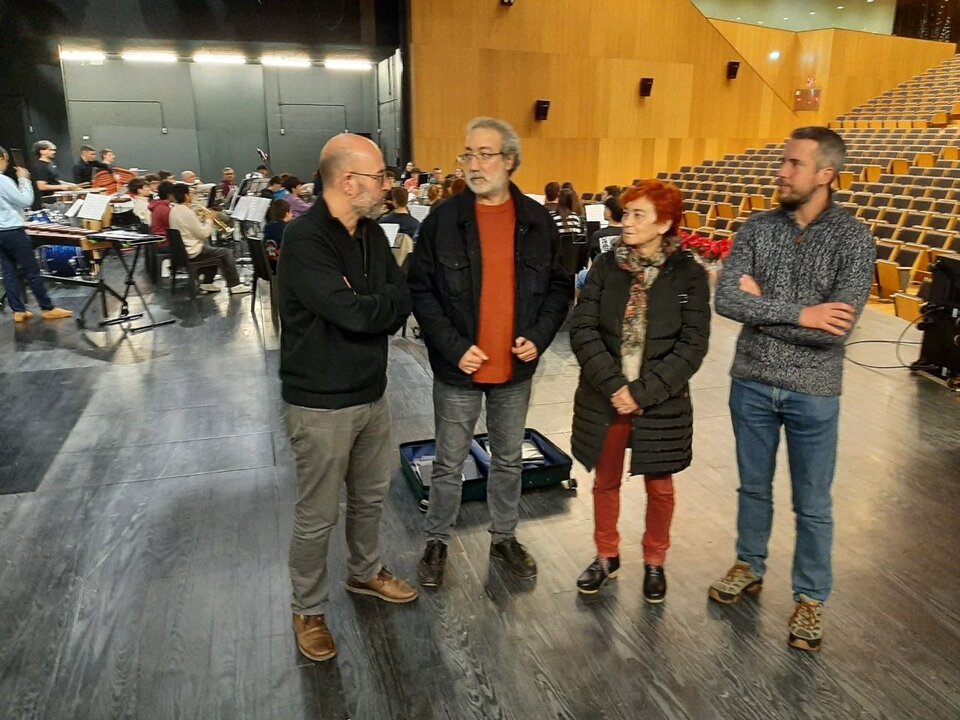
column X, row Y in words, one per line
column 490, row 293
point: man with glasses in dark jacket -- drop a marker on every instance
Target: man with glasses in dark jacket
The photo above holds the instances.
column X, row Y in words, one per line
column 341, row 295
column 490, row 294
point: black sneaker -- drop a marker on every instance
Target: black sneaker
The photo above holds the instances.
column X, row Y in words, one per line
column 597, row 574
column 432, row 563
column 654, row 584
column 516, row 557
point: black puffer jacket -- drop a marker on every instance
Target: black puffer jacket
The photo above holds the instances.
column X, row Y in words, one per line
column 678, row 329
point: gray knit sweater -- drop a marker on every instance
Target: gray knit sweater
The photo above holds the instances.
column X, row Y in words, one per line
column 832, row 260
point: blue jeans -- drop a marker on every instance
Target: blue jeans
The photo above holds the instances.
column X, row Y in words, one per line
column 810, row 422
column 456, row 410
column 16, row 251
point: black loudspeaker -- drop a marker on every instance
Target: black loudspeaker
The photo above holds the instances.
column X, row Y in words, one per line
column 541, row 109
column 733, row 68
column 646, row 87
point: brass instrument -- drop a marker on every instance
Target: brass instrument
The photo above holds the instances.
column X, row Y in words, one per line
column 204, row 213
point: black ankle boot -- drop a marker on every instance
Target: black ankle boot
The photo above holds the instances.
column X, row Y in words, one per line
column 654, row 584
column 597, row 574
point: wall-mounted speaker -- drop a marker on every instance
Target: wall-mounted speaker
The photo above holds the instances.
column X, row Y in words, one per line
column 733, row 68
column 541, row 109
column 646, row 87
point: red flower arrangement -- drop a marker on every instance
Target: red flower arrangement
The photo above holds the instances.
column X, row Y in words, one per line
column 708, row 249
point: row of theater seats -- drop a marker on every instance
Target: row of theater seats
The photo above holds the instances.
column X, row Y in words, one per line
column 929, row 98
column 902, row 178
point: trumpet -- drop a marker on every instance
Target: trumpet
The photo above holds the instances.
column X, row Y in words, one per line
column 203, row 213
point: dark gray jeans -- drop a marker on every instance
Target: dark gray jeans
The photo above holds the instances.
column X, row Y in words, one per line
column 354, row 447
column 456, row 410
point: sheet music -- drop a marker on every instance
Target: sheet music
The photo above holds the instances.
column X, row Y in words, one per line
column 258, row 207
column 594, row 213
column 391, row 230
column 242, row 207
column 539, row 198
column 607, row 241
column 93, row 208
column 420, row 212
column 74, row 209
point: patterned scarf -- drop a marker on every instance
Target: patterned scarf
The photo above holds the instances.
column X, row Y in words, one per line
column 643, row 272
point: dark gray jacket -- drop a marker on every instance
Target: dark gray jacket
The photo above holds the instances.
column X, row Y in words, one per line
column 832, row 260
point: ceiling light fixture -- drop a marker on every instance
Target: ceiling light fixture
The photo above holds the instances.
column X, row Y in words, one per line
column 149, row 57
column 344, row 64
column 219, row 59
column 283, row 61
column 83, row 55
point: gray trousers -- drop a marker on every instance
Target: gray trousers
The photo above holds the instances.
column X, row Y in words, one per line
column 353, row 447
column 456, row 411
column 218, row 257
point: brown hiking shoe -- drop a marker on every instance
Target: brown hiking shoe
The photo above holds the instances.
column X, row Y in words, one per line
column 22, row 316
column 384, row 586
column 313, row 637
column 806, row 625
column 56, row 313
column 739, row 579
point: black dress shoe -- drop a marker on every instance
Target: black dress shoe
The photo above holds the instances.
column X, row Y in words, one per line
column 654, row 584
column 516, row 557
column 432, row 564
column 597, row 574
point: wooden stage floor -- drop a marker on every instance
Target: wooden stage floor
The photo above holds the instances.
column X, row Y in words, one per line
column 146, row 512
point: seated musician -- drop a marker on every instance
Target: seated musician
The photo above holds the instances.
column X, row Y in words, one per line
column 277, row 216
column 87, row 166
column 194, row 233
column 293, row 186
column 140, row 192
column 160, row 210
column 48, row 182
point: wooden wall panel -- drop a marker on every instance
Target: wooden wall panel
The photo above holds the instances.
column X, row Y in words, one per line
column 850, row 67
column 469, row 58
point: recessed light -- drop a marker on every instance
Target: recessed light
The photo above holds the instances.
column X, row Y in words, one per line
column 839, row 7
column 759, row 22
column 813, row 12
column 775, row 55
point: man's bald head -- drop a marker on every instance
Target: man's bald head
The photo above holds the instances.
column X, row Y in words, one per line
column 342, row 150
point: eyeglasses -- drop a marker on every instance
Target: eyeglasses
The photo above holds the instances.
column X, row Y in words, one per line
column 483, row 157
column 379, row 177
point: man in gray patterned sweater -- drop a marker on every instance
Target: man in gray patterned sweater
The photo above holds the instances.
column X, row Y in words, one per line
column 797, row 279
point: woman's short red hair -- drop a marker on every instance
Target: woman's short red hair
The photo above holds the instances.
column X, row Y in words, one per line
column 667, row 200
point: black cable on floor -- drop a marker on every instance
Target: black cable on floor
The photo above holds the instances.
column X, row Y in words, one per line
column 899, row 342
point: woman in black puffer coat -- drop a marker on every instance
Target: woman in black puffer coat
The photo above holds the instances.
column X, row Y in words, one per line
column 640, row 332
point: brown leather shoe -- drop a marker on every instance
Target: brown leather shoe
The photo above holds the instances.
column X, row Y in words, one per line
column 22, row 316
column 313, row 638
column 386, row 587
column 56, row 313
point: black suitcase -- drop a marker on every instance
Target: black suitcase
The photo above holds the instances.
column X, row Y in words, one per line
column 545, row 465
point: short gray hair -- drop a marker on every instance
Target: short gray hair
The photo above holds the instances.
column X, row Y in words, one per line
column 509, row 140
column 831, row 150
